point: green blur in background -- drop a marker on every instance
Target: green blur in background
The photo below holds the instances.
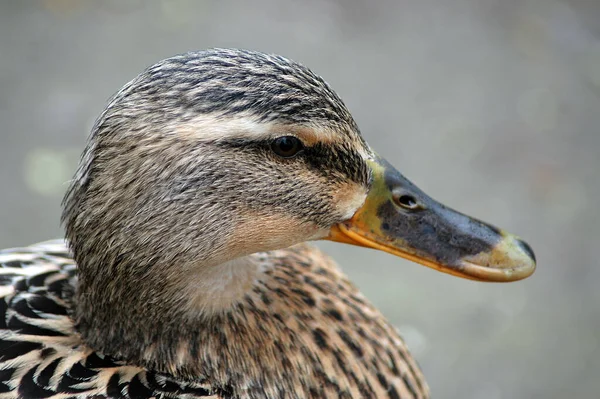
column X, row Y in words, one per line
column 490, row 106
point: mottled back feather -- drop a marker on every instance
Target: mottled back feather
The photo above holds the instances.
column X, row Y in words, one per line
column 41, row 355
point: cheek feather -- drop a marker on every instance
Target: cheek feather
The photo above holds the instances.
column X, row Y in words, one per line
column 276, row 230
column 349, row 197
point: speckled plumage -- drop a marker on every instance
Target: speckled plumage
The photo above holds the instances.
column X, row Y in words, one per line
column 41, row 355
column 304, row 321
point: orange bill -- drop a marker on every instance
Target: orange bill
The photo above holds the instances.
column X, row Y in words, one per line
column 398, row 218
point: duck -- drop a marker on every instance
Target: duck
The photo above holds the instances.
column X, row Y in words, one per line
column 186, row 270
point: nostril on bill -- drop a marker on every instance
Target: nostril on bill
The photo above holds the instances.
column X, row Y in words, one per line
column 527, row 249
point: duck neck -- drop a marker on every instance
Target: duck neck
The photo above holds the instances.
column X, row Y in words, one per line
column 154, row 319
column 298, row 326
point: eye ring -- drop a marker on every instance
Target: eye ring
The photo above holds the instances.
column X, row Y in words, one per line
column 287, row 146
column 407, row 201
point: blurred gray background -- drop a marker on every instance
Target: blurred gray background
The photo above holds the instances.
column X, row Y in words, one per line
column 490, row 106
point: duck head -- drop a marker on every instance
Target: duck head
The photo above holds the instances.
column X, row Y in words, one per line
column 208, row 157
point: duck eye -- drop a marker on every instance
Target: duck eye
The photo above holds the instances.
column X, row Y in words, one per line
column 407, row 202
column 286, row 146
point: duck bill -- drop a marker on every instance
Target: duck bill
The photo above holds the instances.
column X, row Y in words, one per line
column 398, row 218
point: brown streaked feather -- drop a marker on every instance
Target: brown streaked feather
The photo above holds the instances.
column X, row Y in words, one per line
column 303, row 331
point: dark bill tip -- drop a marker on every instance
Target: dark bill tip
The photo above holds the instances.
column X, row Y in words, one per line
column 528, row 250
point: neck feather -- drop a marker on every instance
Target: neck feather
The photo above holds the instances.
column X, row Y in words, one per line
column 218, row 288
column 138, row 318
column 296, row 325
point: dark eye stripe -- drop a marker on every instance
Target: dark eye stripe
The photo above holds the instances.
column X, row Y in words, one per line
column 337, row 162
column 341, row 159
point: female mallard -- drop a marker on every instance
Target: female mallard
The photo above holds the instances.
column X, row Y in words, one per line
column 200, row 179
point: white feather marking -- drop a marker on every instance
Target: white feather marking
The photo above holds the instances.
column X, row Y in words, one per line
column 28, row 271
